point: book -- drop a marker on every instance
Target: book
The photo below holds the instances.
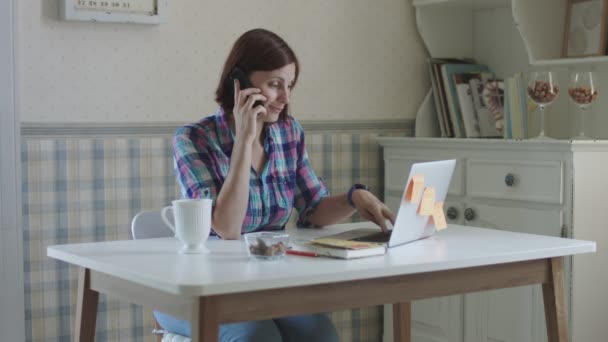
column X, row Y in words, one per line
column 438, row 109
column 448, row 71
column 520, row 117
column 508, row 132
column 492, row 98
column 485, row 118
column 434, row 67
column 465, row 102
column 523, row 95
column 442, row 101
column 341, row 249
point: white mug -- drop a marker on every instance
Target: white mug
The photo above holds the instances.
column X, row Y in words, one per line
column 192, row 223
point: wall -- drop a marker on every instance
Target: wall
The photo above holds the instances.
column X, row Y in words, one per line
column 360, row 59
column 99, row 101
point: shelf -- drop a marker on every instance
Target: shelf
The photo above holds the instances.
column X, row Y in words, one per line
column 474, row 4
column 541, row 25
column 510, row 36
column 446, row 27
column 569, row 61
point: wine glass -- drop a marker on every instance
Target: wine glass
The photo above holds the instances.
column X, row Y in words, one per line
column 543, row 90
column 582, row 91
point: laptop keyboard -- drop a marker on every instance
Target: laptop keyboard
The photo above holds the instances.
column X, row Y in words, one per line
column 376, row 237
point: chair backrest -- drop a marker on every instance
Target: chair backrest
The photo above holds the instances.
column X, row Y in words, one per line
column 149, row 224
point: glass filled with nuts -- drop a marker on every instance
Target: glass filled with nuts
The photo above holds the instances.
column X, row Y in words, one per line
column 543, row 90
column 583, row 92
column 267, row 245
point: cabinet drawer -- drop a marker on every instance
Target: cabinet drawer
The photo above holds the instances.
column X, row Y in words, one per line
column 452, row 209
column 515, row 218
column 515, row 180
column 397, row 171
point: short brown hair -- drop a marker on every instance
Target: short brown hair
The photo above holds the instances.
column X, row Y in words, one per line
column 254, row 50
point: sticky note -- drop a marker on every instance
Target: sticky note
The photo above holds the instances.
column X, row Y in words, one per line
column 427, row 204
column 412, row 194
column 438, row 217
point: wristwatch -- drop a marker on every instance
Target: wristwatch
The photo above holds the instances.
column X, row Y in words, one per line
column 349, row 195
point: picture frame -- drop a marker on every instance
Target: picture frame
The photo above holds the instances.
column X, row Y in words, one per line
column 117, row 11
column 586, row 28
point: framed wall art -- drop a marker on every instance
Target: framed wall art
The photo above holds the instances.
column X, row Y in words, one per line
column 585, row 29
column 118, row 11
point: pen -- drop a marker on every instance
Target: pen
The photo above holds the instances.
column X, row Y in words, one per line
column 302, row 253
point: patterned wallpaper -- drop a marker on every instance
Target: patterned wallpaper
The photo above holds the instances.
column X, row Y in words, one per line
column 360, row 59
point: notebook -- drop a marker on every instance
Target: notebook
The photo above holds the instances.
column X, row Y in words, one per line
column 409, row 224
column 343, row 250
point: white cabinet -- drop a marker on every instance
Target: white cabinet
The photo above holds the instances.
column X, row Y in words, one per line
column 554, row 188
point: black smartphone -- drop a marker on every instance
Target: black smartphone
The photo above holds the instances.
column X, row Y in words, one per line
column 238, row 74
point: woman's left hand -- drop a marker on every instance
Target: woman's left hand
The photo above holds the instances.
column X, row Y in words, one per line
column 372, row 209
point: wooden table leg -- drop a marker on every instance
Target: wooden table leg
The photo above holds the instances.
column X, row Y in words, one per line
column 402, row 322
column 555, row 308
column 204, row 321
column 86, row 308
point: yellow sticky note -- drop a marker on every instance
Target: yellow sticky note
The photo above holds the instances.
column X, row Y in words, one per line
column 427, row 204
column 438, row 217
column 412, row 194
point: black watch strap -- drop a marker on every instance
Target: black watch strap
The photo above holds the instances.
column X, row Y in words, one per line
column 349, row 195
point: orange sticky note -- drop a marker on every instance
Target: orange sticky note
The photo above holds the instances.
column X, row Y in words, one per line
column 412, row 194
column 427, row 204
column 438, row 217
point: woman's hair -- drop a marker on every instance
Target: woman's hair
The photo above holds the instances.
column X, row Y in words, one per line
column 254, row 50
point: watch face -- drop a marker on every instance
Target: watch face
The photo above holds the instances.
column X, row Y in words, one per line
column 361, row 186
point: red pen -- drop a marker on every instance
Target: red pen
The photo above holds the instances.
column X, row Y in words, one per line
column 302, row 253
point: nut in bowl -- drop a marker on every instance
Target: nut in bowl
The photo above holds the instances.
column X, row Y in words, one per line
column 267, row 245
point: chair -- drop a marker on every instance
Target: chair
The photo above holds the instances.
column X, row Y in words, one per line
column 148, row 225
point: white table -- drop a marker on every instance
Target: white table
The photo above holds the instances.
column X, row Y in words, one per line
column 225, row 286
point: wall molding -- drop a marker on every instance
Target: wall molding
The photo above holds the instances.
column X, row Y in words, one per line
column 35, row 129
column 12, row 307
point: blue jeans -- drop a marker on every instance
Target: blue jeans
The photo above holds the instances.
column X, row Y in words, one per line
column 305, row 328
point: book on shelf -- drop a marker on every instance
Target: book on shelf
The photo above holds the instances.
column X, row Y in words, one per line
column 517, row 114
column 341, row 249
column 524, row 103
column 465, row 102
column 508, row 132
column 516, row 108
column 448, row 72
column 486, row 120
column 434, row 67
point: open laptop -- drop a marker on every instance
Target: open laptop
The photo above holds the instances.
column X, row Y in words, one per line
column 409, row 226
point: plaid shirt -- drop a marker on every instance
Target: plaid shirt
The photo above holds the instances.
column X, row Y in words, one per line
column 202, row 160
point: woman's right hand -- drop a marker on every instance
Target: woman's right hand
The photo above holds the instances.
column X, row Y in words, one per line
column 245, row 114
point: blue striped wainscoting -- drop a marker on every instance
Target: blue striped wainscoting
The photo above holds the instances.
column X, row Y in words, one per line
column 81, row 187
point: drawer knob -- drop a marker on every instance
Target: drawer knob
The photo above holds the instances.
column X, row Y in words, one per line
column 509, row 179
column 469, row 214
column 452, row 213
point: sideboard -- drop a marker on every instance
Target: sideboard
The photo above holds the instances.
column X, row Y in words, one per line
column 556, row 188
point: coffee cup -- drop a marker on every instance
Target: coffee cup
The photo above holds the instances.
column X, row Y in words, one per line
column 192, row 219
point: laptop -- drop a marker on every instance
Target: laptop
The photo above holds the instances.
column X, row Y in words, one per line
column 409, row 226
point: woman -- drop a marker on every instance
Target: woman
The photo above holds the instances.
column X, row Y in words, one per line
column 252, row 160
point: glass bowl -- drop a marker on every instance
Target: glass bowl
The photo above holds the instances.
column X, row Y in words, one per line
column 267, row 245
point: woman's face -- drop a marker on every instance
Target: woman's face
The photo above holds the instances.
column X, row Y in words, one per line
column 276, row 86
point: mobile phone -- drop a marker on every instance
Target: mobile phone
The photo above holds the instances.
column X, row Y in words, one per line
column 238, row 74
